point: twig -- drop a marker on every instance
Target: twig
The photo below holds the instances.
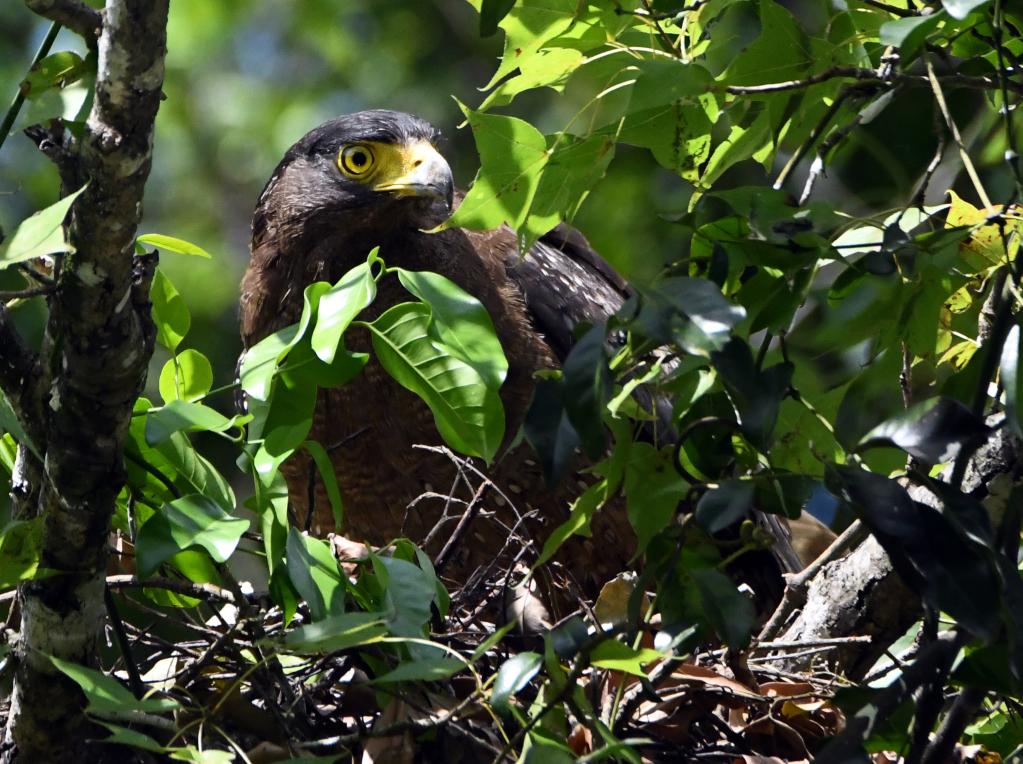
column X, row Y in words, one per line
column 870, row 76
column 134, row 680
column 963, row 711
column 19, row 99
column 467, row 516
column 939, row 96
column 811, row 139
column 188, row 588
column 895, row 11
column 26, row 293
column 73, row 14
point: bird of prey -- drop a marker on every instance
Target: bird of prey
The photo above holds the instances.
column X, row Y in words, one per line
column 376, row 179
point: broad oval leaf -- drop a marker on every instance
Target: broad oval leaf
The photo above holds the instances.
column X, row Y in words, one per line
column 187, row 376
column 514, row 674
column 422, row 670
column 933, row 431
column 722, row 506
column 106, row 695
column 172, row 244
column 192, row 520
column 41, row 234
column 617, row 656
column 339, row 306
column 170, row 314
column 468, row 412
column 460, row 322
column 513, row 154
column 316, row 575
column 338, row 632
column 183, row 416
column 261, row 361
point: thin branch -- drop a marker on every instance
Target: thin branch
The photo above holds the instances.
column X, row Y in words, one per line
column 894, row 10
column 73, row 14
column 23, row 294
column 870, row 76
column 939, row 96
column 19, row 99
column 187, row 588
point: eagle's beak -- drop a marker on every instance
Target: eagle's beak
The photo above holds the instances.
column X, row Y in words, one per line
column 422, row 172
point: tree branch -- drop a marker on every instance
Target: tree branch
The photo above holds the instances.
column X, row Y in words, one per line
column 73, row 14
column 870, row 77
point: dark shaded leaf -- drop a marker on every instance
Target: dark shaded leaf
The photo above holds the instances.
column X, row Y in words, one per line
column 491, row 13
column 755, row 394
column 587, row 389
column 192, row 520
column 726, row 610
column 722, row 506
column 933, row 431
column 549, row 430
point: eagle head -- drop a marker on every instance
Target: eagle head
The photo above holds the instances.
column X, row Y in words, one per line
column 362, row 176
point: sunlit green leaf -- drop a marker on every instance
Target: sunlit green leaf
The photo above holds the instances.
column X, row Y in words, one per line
column 192, row 520
column 41, row 234
column 181, row 416
column 617, row 656
column 339, row 306
column 187, row 376
column 513, row 675
column 316, row 575
column 170, row 314
column 172, row 244
column 57, row 70
column 460, row 323
column 105, row 695
column 468, row 413
column 338, row 632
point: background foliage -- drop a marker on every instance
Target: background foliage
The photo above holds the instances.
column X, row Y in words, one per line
column 773, row 178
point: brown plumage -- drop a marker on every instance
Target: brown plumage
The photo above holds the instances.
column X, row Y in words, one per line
column 314, row 222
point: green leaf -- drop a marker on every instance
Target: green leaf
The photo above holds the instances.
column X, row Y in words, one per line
column 960, row 9
column 170, row 314
column 131, row 738
column 1011, row 378
column 337, row 632
column 726, row 610
column 617, row 656
column 9, row 423
column 187, row 376
column 192, row 520
column 339, row 306
column 316, row 575
column 57, row 70
column 587, row 389
column 171, row 244
column 20, row 552
column 513, row 154
column 410, row 591
column 933, row 431
column 909, row 33
column 724, row 505
column 529, row 26
column 578, row 521
column 328, row 477
column 460, row 323
column 107, row 696
column 182, row 416
column 468, row 413
column 261, row 361
column 513, row 675
column 422, row 670
column 41, row 234
column 653, row 490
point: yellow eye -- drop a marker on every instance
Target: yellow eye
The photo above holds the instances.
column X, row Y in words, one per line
column 356, row 161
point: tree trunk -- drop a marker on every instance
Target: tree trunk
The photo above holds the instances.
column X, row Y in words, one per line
column 98, row 343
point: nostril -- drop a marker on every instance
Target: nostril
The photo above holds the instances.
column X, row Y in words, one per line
column 417, row 163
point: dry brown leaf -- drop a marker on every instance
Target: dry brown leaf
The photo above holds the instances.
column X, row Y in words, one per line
column 580, row 740
column 348, row 553
column 394, row 749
